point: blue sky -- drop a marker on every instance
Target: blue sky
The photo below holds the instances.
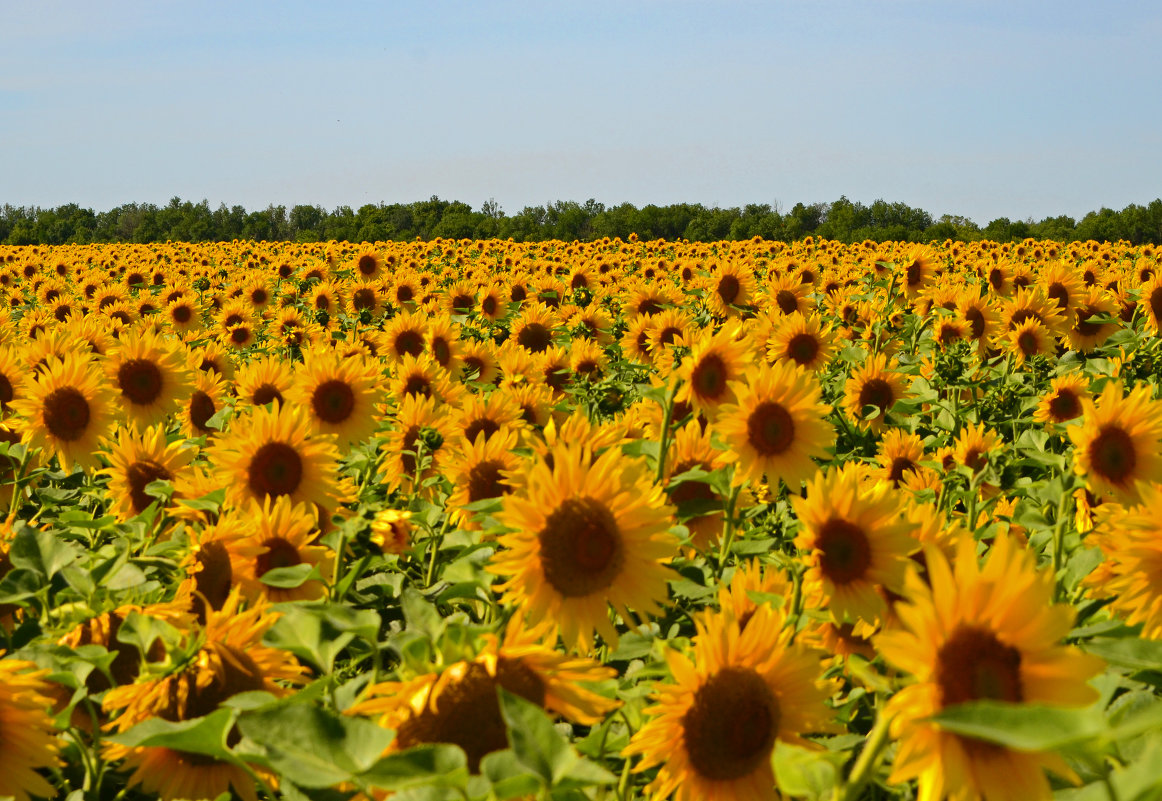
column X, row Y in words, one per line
column 984, row 109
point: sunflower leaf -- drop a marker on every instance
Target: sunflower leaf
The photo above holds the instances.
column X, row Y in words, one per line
column 1128, row 652
column 425, row 765
column 805, row 773
column 204, row 735
column 41, row 552
column 288, row 578
column 1025, row 727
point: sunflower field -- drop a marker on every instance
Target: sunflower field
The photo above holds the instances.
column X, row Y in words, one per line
column 482, row 520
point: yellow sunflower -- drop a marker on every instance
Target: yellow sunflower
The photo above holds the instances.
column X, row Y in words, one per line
column 716, row 360
column 65, row 412
column 1085, row 334
column 1131, row 577
column 975, row 445
column 1062, row 402
column 264, row 380
column 416, row 444
column 135, row 461
column 587, row 533
column 692, row 449
column 1119, row 443
column 229, row 658
column 149, row 377
column 30, row 742
column 212, row 565
column 207, row 399
column 732, row 285
column 776, row 427
column 339, row 395
column 803, row 340
column 744, row 688
column 1028, row 339
column 980, row 633
column 269, row 452
column 875, row 385
column 857, row 541
column 460, row 706
column 278, row 535
column 12, row 379
column 478, row 472
column 899, row 453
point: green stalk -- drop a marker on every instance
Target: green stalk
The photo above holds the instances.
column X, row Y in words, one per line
column 877, row 739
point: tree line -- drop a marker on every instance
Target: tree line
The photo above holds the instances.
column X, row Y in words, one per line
column 843, row 220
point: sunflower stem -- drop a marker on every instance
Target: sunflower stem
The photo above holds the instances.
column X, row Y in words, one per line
column 663, row 443
column 877, row 738
column 434, row 550
column 728, row 524
column 1059, row 540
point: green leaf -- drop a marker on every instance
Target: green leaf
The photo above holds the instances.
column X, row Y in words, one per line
column 537, row 745
column 318, row 633
column 425, row 765
column 1128, row 652
column 805, row 773
column 288, row 577
column 205, row 735
column 509, row 776
column 1025, row 727
column 41, row 551
column 313, row 747
column 421, row 617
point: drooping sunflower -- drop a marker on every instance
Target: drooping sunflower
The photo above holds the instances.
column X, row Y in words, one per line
column 857, row 541
column 1062, row 402
column 136, row 460
column 1119, row 443
column 339, row 395
column 776, row 427
column 801, row 339
column 270, row 452
column 65, row 412
column 744, row 688
column 587, row 532
column 229, row 658
column 875, row 385
column 149, row 376
column 716, row 361
column 980, row 633
column 460, row 706
column 30, row 742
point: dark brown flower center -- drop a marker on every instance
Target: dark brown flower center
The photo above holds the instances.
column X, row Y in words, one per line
column 141, row 474
column 66, row 414
column 787, row 301
column 803, row 348
column 976, row 320
column 368, row 264
column 7, row 393
column 877, row 392
column 534, row 337
column 1112, row 454
column 900, row 465
column 275, row 469
column 333, row 401
column 140, row 381
column 214, row 580
column 730, row 727
column 581, row 549
column 845, row 554
column 974, row 665
column 481, row 425
column 279, row 553
column 266, row 393
column 201, row 410
column 770, row 429
column 484, row 481
column 1060, row 293
column 728, row 288
column 409, row 341
column 709, row 378
column 1065, row 405
column 1155, row 301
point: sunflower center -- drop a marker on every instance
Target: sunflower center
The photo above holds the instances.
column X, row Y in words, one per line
column 461, row 303
column 6, row 391
column 275, row 469
column 214, row 580
column 1065, row 405
column 363, row 299
column 1112, row 454
column 668, row 335
column 709, row 377
column 409, row 342
column 139, row 476
column 404, row 293
column 481, row 425
column 975, row 319
column 728, row 289
column 201, row 410
column 66, row 414
column 1156, row 303
column 876, row 392
column 182, row 314
column 803, row 348
column 140, row 381
column 974, row 665
column 915, row 273
column 279, row 553
column 368, row 264
column 266, row 393
column 488, row 306
column 845, row 554
column 484, row 481
column 239, row 335
column 333, row 401
column 236, row 673
column 418, row 384
column 787, row 301
column 1059, row 292
column 442, row 351
column 534, row 337
column 731, row 724
column 770, row 429
column 1084, row 326
column 581, row 549
column 900, row 465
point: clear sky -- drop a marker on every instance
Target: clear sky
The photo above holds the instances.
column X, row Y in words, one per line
column 984, row 109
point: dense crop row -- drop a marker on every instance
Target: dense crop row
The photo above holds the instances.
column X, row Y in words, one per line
column 472, row 520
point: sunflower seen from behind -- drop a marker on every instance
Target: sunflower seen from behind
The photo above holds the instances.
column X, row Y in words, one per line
column 586, row 533
column 972, row 633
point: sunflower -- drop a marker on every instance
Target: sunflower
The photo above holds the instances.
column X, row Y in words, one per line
column 975, row 446
column 264, row 380
column 973, row 633
column 899, row 453
column 587, row 533
column 339, row 395
column 135, row 461
column 479, row 362
column 206, row 400
column 212, row 565
column 212, row 358
column 857, row 541
column 776, row 427
column 1063, row 401
column 1085, row 334
column 30, row 742
column 279, row 535
column 533, row 328
column 918, row 273
column 692, row 449
column 1031, row 304
column 415, row 446
column 228, row 658
column 65, row 412
column 874, row 385
column 183, row 315
column 635, row 342
column 1119, row 443
column 716, row 361
column 391, row 530
column 484, row 416
column 1063, row 285
column 423, row 376
column 980, row 317
column 12, row 379
column 149, row 376
column 789, row 295
column 269, row 452
column 731, row 286
column 535, row 402
column 1030, row 338
column 744, row 688
column 492, row 304
column 803, row 340
column 460, row 705
column 367, row 264
column 1131, row 577
column 1151, row 298
column 478, row 472
column 404, row 335
column 587, row 360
